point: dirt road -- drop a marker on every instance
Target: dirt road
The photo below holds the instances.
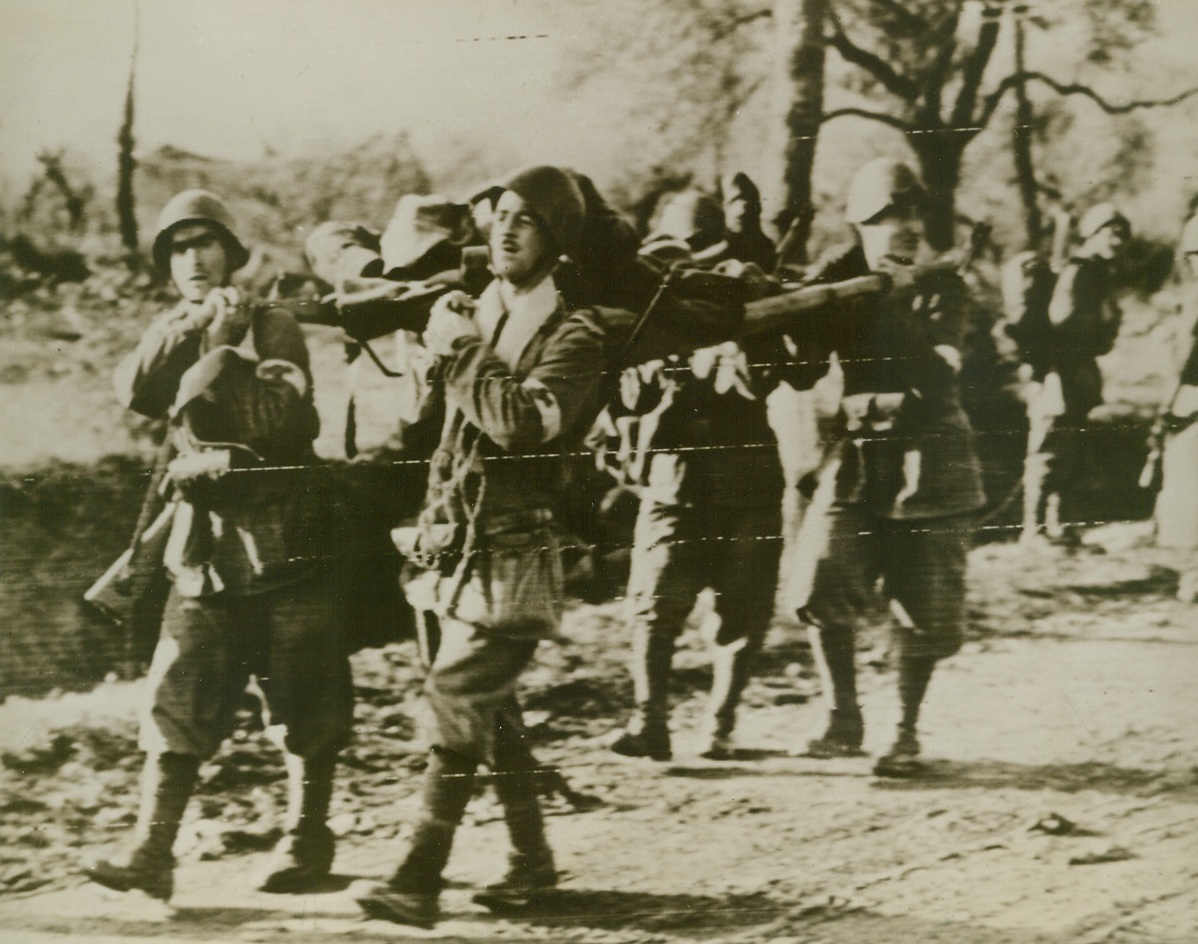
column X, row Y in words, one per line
column 1060, row 803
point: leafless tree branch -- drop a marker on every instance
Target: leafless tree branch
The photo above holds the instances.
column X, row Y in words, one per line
column 1075, row 88
column 971, row 74
column 878, row 116
column 913, row 22
column 727, row 29
column 937, row 75
column 875, row 65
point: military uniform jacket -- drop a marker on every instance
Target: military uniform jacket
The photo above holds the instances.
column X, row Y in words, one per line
column 704, row 435
column 525, row 387
column 1084, row 324
column 905, row 447
column 262, row 522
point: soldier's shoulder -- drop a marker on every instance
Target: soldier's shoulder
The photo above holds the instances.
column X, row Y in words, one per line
column 593, row 319
column 583, row 330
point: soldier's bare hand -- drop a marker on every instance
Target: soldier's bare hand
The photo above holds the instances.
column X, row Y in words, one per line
column 449, row 320
column 902, row 273
column 232, row 317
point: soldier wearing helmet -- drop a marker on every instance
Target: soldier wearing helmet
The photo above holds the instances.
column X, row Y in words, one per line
column 1083, row 322
column 905, row 478
column 710, row 481
column 247, row 553
column 518, row 373
column 1177, row 502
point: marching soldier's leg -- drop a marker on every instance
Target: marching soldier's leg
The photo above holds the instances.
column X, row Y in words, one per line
column 531, row 868
column 1035, row 470
column 167, row 782
column 662, row 587
column 926, row 581
column 1035, row 466
column 471, row 681
column 835, row 653
column 648, row 732
column 1065, row 474
column 746, row 580
column 309, row 695
column 195, row 680
column 304, row 857
column 412, row 894
column 845, row 574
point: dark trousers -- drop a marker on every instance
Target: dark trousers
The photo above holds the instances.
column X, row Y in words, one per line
column 290, row 639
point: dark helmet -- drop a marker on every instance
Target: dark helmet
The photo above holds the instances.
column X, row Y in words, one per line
column 740, row 186
column 196, row 206
column 879, row 185
column 692, row 216
column 554, row 196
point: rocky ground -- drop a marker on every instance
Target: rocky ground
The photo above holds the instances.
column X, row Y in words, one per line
column 1059, row 803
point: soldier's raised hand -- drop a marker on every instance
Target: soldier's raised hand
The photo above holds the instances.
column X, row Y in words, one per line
column 901, row 272
column 231, row 317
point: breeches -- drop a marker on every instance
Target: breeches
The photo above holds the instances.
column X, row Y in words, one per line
column 1055, row 452
column 922, row 566
column 680, row 550
column 290, row 639
column 471, row 689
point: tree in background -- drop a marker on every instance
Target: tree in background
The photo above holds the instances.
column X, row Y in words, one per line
column 927, row 61
column 75, row 197
column 706, row 63
column 126, row 164
column 696, row 65
column 799, row 34
column 937, row 71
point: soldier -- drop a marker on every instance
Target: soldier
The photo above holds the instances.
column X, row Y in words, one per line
column 1082, row 324
column 710, row 511
column 742, row 222
column 518, row 373
column 905, row 472
column 422, row 242
column 1177, row 502
column 247, row 553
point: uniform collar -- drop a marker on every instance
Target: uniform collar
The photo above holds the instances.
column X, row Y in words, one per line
column 510, row 318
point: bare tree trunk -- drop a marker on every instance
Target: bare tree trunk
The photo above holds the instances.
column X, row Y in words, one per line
column 940, row 167
column 1024, row 168
column 799, row 33
column 57, row 176
column 125, row 208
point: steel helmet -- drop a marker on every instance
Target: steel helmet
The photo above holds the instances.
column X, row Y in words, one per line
column 1098, row 216
column 196, row 206
column 553, row 194
column 883, row 182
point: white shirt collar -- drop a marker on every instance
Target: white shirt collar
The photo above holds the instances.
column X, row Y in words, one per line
column 527, row 312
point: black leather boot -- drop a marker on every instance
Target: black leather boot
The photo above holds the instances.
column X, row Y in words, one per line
column 166, row 786
column 648, row 733
column 304, row 857
column 531, row 870
column 835, row 654
column 412, row 895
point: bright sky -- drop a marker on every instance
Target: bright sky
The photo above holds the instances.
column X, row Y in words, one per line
column 228, row 77
column 231, row 77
